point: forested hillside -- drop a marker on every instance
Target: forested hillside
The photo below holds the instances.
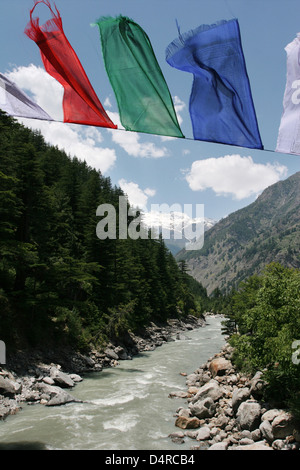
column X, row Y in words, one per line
column 242, row 244
column 59, row 283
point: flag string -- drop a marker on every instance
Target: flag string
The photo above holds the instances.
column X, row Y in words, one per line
column 190, row 139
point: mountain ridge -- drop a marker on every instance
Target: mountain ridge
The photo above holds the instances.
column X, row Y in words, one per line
column 245, row 241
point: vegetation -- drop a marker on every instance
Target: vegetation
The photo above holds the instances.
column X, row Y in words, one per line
column 59, row 283
column 264, row 325
column 243, row 243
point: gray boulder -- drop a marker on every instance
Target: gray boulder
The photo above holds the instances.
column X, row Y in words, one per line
column 202, row 409
column 9, row 387
column 211, row 389
column 238, row 396
column 63, row 380
column 266, row 430
column 248, row 415
column 283, row 425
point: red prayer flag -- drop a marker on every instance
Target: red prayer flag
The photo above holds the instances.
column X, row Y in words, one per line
column 80, row 103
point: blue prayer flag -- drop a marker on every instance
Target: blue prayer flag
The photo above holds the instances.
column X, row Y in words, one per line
column 221, row 105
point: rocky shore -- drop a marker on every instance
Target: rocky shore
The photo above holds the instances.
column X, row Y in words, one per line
column 225, row 411
column 48, row 377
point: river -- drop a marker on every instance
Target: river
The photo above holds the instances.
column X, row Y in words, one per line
column 125, row 407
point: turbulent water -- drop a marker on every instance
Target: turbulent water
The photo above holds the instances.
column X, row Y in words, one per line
column 125, row 408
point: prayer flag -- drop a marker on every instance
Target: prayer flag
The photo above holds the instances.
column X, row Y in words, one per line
column 15, row 102
column 143, row 97
column 80, row 103
column 288, row 140
column 221, row 106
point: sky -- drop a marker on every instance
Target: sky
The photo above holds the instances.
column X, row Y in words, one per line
column 153, row 170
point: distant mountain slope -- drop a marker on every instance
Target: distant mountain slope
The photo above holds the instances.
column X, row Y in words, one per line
column 247, row 240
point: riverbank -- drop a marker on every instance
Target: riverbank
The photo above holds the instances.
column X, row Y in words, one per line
column 48, row 377
column 225, row 411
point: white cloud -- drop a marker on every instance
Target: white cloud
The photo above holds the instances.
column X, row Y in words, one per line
column 77, row 141
column 233, row 175
column 137, row 197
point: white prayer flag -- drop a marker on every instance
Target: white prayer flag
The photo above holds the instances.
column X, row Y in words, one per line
column 16, row 103
column 288, row 140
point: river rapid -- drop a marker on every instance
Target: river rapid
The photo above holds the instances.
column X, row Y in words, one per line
column 125, row 408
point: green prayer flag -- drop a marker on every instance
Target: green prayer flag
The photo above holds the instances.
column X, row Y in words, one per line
column 143, row 97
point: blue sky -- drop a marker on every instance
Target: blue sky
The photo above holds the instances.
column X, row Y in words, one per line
column 150, row 169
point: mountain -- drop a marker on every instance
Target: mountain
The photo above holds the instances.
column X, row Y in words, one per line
column 177, row 228
column 242, row 244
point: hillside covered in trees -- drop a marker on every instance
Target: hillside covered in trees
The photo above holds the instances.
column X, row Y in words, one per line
column 242, row 244
column 59, row 283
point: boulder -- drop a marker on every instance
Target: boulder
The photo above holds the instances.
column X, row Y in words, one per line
column 255, row 446
column 270, row 415
column 61, row 398
column 121, row 353
column 111, row 354
column 76, row 378
column 9, row 387
column 257, row 385
column 248, row 415
column 203, row 434
column 187, row 423
column 266, row 430
column 178, row 394
column 202, row 409
column 238, row 396
column 211, row 389
column 283, row 425
column 219, row 366
column 48, row 380
column 54, row 395
column 219, row 446
column 63, row 380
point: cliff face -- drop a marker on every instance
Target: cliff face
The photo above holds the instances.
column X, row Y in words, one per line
column 247, row 240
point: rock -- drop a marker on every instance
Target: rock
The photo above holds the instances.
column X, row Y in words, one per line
column 219, row 446
column 248, row 415
column 179, row 434
column 203, row 434
column 193, row 390
column 184, row 412
column 246, row 441
column 278, row 444
column 121, row 353
column 191, row 379
column 187, row 423
column 64, row 380
column 178, row 394
column 255, row 446
column 191, row 434
column 256, row 435
column 48, row 380
column 282, row 425
column 211, row 389
column 111, row 354
column 222, row 421
column 270, row 415
column 9, row 387
column 266, row 430
column 219, row 366
column 203, row 408
column 257, row 385
column 76, row 378
column 61, row 397
column 238, row 396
